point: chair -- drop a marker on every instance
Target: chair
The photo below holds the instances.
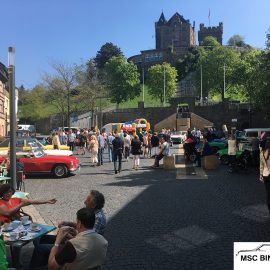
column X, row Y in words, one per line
column 20, row 181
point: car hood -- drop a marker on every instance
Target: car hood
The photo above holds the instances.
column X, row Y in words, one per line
column 60, row 158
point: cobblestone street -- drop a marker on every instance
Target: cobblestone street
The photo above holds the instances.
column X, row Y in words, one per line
column 156, row 221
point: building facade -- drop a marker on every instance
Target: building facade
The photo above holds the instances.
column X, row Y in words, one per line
column 214, row 31
column 177, row 33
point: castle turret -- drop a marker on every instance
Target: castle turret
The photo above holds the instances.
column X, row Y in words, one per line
column 214, row 31
column 161, row 20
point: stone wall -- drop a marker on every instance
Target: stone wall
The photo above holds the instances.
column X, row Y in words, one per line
column 218, row 114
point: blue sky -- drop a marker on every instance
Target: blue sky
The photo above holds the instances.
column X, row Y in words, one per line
column 69, row 31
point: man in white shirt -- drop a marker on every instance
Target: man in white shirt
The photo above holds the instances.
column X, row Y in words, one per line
column 232, row 152
column 164, row 151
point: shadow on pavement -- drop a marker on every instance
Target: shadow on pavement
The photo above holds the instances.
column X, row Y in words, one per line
column 185, row 224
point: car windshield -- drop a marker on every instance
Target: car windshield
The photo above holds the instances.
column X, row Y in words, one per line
column 176, row 133
column 36, row 150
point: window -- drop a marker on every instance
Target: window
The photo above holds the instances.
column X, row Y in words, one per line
column 1, row 106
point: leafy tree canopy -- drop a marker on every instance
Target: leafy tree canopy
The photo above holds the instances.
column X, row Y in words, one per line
column 236, row 40
column 106, row 52
column 188, row 64
column 267, row 43
column 213, row 63
column 210, row 43
column 156, row 76
column 122, row 79
column 35, row 105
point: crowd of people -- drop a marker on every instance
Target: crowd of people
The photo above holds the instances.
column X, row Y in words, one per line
column 116, row 145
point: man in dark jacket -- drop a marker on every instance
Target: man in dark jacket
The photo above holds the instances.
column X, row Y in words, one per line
column 118, row 147
column 154, row 144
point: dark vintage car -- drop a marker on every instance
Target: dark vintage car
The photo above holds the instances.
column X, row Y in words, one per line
column 35, row 161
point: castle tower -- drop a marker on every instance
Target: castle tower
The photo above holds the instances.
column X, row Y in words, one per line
column 177, row 33
column 215, row 31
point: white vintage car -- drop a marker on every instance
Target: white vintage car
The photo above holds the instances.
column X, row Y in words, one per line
column 22, row 144
column 178, row 136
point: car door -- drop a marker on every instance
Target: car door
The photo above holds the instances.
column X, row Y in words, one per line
column 35, row 165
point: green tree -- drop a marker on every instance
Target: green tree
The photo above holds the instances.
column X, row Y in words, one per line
column 188, row 64
column 214, row 62
column 35, row 106
column 156, row 76
column 236, row 40
column 246, row 74
column 122, row 79
column 106, row 52
column 262, row 93
column 210, row 43
column 267, row 43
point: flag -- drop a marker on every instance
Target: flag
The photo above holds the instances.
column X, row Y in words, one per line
column 209, row 14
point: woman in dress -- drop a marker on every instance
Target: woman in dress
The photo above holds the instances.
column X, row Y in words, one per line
column 93, row 149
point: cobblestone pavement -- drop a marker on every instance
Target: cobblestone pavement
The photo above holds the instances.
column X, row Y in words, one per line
column 156, row 221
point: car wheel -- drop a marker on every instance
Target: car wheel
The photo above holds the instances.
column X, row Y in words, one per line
column 60, row 170
column 224, row 159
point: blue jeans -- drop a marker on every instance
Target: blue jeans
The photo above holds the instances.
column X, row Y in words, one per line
column 100, row 155
column 110, row 153
column 42, row 250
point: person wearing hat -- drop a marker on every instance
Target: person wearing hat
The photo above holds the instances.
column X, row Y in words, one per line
column 10, row 207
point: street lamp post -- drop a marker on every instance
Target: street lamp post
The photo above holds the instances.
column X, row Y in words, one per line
column 201, row 101
column 143, row 84
column 13, row 117
column 224, row 80
column 164, row 86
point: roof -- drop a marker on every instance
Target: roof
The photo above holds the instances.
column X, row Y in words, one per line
column 177, row 18
column 162, row 19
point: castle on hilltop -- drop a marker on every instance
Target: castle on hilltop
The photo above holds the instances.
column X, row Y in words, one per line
column 177, row 34
column 174, row 38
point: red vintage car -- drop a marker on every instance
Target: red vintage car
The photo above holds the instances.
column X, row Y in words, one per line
column 36, row 162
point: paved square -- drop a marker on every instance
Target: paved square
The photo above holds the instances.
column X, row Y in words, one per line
column 158, row 221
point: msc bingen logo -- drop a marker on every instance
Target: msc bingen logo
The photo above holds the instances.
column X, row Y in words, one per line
column 249, row 255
